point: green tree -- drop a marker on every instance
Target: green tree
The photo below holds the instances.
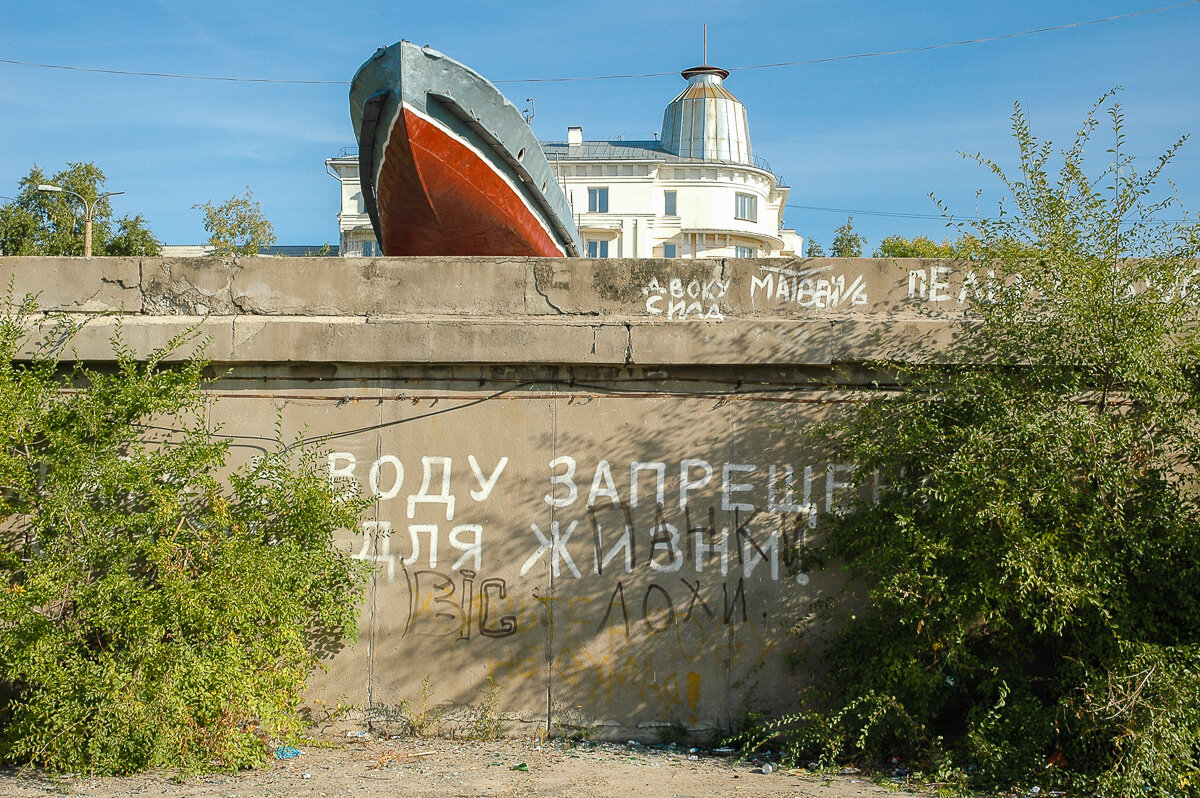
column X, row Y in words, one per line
column 237, row 226
column 814, row 249
column 41, row 223
column 132, row 237
column 846, row 242
column 152, row 615
column 896, row 246
column 1028, row 530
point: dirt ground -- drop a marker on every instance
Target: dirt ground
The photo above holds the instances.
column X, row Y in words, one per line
column 417, row 768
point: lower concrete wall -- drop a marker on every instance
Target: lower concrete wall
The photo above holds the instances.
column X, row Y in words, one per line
column 612, row 555
column 590, row 511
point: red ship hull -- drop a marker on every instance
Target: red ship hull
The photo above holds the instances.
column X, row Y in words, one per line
column 440, row 196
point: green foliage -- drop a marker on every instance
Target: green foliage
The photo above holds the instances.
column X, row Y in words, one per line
column 675, row 733
column 846, row 242
column 1031, row 565
column 41, row 223
column 151, row 615
column 237, row 226
column 484, row 720
column 424, row 718
column 814, row 249
column 896, row 246
column 133, row 237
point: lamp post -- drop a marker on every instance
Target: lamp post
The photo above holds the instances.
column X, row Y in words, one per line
column 88, row 210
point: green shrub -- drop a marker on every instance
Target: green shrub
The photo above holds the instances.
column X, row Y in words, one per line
column 151, row 615
column 1031, row 571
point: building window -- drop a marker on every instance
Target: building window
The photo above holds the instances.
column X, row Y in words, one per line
column 367, row 248
column 745, row 207
column 597, row 249
column 745, row 252
column 669, row 249
column 598, row 200
column 669, row 204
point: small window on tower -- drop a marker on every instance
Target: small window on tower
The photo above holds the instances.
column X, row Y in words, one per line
column 597, row 249
column 669, row 205
column 745, row 207
column 598, row 200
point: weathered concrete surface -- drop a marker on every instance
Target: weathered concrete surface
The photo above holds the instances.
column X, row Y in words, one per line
column 87, row 285
column 592, row 490
column 769, row 288
column 478, row 310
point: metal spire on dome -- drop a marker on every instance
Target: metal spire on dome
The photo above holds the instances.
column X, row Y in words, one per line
column 705, row 121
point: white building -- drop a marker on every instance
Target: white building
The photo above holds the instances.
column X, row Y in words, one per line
column 355, row 235
column 699, row 192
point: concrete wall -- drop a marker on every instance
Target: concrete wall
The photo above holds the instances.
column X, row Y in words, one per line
column 592, row 487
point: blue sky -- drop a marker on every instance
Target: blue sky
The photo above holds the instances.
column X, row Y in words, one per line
column 873, row 135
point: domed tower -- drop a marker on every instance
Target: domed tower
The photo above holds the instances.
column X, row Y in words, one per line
column 706, row 121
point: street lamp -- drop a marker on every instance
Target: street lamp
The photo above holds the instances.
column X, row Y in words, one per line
column 88, row 210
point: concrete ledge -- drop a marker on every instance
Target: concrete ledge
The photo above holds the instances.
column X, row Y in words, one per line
column 675, row 289
column 542, row 340
column 809, row 312
column 335, row 286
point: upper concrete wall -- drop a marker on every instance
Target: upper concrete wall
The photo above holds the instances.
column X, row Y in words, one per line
column 804, row 312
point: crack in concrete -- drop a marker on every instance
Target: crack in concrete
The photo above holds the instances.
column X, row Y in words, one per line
column 106, row 281
column 199, row 300
column 628, row 344
column 544, row 295
column 239, row 302
column 118, row 282
column 242, row 302
column 159, row 300
column 244, row 321
column 88, row 299
column 155, row 296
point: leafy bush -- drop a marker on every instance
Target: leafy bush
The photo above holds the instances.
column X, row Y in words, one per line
column 151, row 616
column 1031, row 569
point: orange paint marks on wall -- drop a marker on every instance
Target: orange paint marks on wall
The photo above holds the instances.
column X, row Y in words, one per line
column 693, row 689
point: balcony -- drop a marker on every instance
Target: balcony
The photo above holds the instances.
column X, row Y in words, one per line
column 770, row 241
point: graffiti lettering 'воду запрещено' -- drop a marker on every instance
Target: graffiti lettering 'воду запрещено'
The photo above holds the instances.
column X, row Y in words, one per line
column 630, row 516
